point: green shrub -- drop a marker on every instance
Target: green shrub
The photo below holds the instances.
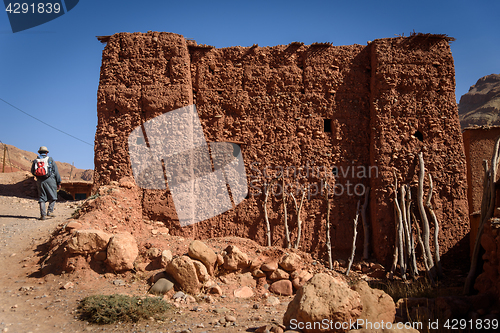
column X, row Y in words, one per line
column 107, row 309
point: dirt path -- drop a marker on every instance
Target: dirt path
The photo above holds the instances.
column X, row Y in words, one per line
column 31, row 303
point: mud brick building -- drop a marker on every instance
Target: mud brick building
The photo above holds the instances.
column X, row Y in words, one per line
column 358, row 111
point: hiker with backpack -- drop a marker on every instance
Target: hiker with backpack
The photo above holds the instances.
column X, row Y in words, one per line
column 48, row 181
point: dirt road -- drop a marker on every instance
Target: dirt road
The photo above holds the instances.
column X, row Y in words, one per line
column 30, row 302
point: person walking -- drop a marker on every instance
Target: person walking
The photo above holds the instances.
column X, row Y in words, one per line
column 48, row 181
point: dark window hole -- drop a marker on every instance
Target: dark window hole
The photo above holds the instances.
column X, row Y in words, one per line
column 419, row 136
column 327, row 125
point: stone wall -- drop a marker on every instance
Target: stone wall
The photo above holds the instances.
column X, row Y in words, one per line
column 368, row 109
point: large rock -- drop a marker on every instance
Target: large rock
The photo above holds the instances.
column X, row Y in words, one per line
column 166, row 257
column 377, row 305
column 183, row 271
column 88, row 241
column 235, row 258
column 122, row 252
column 300, row 277
column 290, row 262
column 278, row 274
column 201, row 271
column 323, row 298
column 198, row 250
column 282, row 287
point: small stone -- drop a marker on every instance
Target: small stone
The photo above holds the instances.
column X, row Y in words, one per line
column 230, row 318
column 161, row 287
column 215, row 289
column 190, row 299
column 257, row 273
column 221, row 310
column 272, row 300
column 68, row 285
column 243, row 292
column 119, row 282
column 179, row 295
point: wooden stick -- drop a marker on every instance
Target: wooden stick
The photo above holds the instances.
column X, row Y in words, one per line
column 399, row 228
column 423, row 215
column 366, row 226
column 403, row 231
column 395, row 255
column 422, row 246
column 287, row 232
column 396, row 225
column 265, row 212
column 298, row 209
column 428, row 205
column 328, row 238
column 413, row 257
column 351, row 259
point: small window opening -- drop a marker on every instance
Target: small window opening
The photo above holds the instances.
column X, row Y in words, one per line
column 419, row 136
column 335, row 171
column 327, row 125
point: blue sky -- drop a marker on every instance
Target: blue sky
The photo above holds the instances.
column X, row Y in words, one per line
column 52, row 71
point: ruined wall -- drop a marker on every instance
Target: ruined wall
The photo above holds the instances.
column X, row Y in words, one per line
column 413, row 109
column 353, row 107
column 479, row 143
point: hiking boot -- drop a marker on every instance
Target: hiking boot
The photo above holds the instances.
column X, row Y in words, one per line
column 51, row 215
column 42, row 218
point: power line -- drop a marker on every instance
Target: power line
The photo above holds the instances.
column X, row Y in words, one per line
column 57, row 129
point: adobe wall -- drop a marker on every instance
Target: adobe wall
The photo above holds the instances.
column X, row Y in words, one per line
column 479, row 143
column 277, row 101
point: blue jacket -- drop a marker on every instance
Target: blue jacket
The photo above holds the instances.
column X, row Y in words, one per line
column 47, row 187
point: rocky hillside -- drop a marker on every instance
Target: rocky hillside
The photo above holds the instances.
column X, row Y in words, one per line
column 481, row 105
column 20, row 160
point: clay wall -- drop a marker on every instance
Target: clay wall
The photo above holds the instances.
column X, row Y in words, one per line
column 354, row 107
column 479, row 143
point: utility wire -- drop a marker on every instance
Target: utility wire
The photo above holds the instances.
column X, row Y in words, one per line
column 57, row 129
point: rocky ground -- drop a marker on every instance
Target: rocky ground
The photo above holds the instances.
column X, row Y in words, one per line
column 41, row 286
column 30, row 302
column 48, row 304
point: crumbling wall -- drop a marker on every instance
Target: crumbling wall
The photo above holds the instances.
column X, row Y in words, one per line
column 479, row 143
column 413, row 110
column 355, row 108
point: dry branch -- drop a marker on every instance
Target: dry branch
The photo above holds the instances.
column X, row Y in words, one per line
column 299, row 221
column 413, row 257
column 268, row 226
column 428, row 205
column 423, row 215
column 351, row 259
column 426, row 264
column 366, row 226
column 396, row 224
column 399, row 228
column 287, row 232
column 328, row 238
